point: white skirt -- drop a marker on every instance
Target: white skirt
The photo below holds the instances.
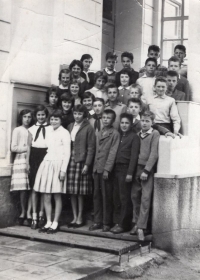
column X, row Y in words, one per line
column 47, row 178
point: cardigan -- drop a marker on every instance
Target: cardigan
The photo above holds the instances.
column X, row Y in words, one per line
column 177, row 95
column 136, row 127
column 148, row 155
column 59, row 146
column 106, row 150
column 183, row 85
column 84, row 144
column 91, row 78
column 19, row 142
column 128, row 151
column 67, row 118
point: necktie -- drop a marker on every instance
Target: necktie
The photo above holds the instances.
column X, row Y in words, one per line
column 97, row 123
column 41, row 127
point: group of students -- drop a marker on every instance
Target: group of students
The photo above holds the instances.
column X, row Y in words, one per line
column 97, row 135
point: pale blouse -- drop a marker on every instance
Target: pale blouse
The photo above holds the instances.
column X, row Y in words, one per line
column 40, row 141
column 19, row 140
column 59, row 146
column 74, row 131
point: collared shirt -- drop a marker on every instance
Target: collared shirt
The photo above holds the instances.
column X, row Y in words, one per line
column 100, row 93
column 144, row 134
column 137, row 118
column 109, row 72
column 87, row 76
column 62, row 87
column 75, row 129
column 165, row 110
column 147, row 85
column 41, row 140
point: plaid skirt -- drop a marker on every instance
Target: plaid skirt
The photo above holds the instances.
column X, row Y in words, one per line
column 36, row 157
column 19, row 178
column 76, row 182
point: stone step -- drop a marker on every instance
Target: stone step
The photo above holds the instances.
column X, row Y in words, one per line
column 74, row 240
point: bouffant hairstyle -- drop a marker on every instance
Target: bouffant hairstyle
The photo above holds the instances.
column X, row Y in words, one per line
column 52, row 89
column 81, row 108
column 76, row 62
column 40, row 108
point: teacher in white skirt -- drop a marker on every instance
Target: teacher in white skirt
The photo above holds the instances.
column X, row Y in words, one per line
column 51, row 176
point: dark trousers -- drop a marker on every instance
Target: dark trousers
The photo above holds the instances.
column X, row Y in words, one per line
column 141, row 198
column 103, row 207
column 122, row 197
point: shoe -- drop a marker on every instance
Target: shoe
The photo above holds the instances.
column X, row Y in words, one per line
column 95, row 226
column 34, row 224
column 41, row 222
column 71, row 225
column 140, row 234
column 118, row 229
column 43, row 229
column 106, row 228
column 113, row 228
column 51, row 230
column 79, row 225
column 134, row 230
column 29, row 222
column 20, row 220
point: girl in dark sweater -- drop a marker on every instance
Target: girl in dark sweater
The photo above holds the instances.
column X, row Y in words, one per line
column 125, row 166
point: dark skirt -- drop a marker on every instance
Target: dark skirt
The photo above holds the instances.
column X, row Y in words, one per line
column 36, row 157
column 76, row 182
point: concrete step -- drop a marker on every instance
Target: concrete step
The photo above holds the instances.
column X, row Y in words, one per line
column 97, row 243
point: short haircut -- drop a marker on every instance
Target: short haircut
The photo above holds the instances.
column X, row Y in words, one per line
column 52, row 89
column 160, row 79
column 100, row 100
column 63, row 71
column 172, row 74
column 127, row 116
column 154, row 48
column 81, row 108
column 76, row 62
column 138, row 87
column 40, row 108
column 174, row 59
column 134, row 100
column 86, row 56
column 112, row 86
column 67, row 97
column 127, row 54
column 125, row 72
column 151, row 59
column 87, row 94
column 149, row 114
column 22, row 113
column 111, row 55
column 110, row 111
column 75, row 82
column 100, row 74
column 57, row 114
column 180, row 47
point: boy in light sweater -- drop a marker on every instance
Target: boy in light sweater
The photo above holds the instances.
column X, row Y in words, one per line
column 143, row 184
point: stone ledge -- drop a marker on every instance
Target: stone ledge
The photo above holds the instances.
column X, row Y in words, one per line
column 180, row 176
column 5, row 171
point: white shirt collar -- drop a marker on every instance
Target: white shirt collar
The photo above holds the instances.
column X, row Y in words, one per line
column 137, row 118
column 38, row 124
column 78, row 124
column 108, row 71
column 62, row 87
column 143, row 134
column 121, row 87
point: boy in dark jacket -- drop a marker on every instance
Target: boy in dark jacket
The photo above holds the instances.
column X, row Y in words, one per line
column 125, row 166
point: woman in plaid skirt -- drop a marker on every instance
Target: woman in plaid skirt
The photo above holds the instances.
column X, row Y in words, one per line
column 21, row 142
column 82, row 152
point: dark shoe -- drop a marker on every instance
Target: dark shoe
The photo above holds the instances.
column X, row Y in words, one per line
column 140, row 234
column 113, row 228
column 118, row 229
column 79, row 225
column 71, row 225
column 43, row 229
column 29, row 222
column 41, row 222
column 106, row 228
column 51, row 230
column 134, row 230
column 34, row 224
column 95, row 227
column 20, row 221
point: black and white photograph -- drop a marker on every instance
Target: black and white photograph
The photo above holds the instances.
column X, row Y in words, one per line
column 99, row 139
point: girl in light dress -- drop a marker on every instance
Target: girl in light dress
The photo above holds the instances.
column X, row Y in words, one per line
column 20, row 145
column 51, row 176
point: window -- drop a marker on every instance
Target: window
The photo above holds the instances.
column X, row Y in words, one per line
column 108, row 9
column 174, row 29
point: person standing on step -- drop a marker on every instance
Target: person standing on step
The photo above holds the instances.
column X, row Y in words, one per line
column 20, row 145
